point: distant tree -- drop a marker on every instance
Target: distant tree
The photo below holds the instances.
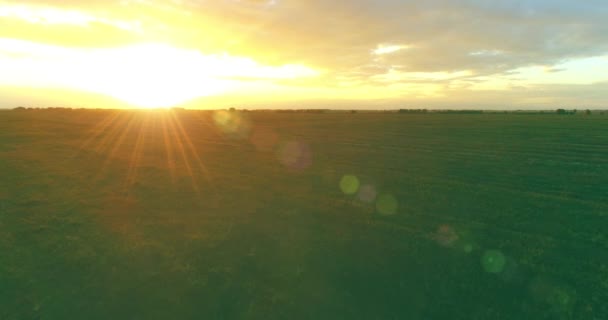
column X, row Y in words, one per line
column 353, row 111
column 461, row 111
column 588, row 112
column 561, row 111
column 413, row 111
column 19, row 108
column 232, row 109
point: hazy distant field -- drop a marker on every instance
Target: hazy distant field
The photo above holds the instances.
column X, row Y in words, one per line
column 201, row 215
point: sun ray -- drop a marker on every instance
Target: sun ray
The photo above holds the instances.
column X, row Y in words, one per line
column 192, row 149
column 119, row 141
column 182, row 150
column 113, row 132
column 98, row 130
column 137, row 152
column 168, row 150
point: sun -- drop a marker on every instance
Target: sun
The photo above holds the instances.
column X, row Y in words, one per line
column 159, row 91
column 159, row 75
column 143, row 92
column 153, row 76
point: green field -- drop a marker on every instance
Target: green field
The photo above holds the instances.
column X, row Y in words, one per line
column 263, row 215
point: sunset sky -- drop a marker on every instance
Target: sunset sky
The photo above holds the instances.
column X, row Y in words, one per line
column 304, row 53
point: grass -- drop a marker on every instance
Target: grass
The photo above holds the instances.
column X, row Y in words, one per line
column 196, row 215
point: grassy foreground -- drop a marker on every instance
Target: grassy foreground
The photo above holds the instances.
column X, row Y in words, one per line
column 228, row 215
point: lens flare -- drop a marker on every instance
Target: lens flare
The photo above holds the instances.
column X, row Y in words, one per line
column 387, row 204
column 295, row 155
column 349, row 184
column 446, row 236
column 232, row 123
column 367, row 193
column 493, row 261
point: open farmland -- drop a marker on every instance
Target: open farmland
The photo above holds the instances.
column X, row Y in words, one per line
column 262, row 215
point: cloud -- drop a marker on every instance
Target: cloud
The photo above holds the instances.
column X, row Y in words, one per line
column 445, row 35
column 478, row 37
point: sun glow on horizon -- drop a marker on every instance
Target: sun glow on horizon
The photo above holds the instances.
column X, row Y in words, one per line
column 147, row 75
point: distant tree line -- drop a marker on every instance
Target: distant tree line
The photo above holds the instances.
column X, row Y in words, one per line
column 413, row 110
column 564, row 111
column 461, row 111
column 560, row 111
column 49, row 108
column 302, row 110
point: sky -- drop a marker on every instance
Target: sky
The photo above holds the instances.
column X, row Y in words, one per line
column 353, row 54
